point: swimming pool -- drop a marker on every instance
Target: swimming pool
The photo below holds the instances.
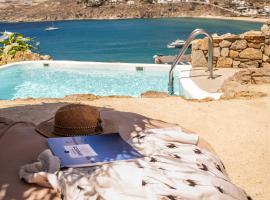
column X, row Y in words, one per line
column 56, row 79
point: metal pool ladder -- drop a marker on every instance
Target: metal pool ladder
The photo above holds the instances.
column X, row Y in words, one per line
column 182, row 51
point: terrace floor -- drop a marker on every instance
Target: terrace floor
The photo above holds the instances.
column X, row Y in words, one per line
column 237, row 129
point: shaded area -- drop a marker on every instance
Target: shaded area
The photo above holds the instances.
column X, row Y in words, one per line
column 20, row 144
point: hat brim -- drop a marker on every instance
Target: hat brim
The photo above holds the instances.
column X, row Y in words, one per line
column 46, row 128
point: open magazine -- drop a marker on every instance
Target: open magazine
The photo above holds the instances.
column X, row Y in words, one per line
column 82, row 151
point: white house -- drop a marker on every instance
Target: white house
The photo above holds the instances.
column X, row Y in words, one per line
column 186, row 1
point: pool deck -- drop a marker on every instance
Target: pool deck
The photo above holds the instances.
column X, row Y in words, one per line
column 201, row 78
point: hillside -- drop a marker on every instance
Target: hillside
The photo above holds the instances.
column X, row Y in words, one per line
column 42, row 10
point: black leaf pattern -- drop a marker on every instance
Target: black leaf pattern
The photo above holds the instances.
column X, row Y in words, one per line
column 79, row 187
column 171, row 187
column 223, row 165
column 203, row 167
column 197, row 151
column 171, row 145
column 218, row 168
column 177, row 156
column 219, row 189
column 143, row 183
column 153, row 159
column 142, row 136
column 171, row 197
column 191, row 183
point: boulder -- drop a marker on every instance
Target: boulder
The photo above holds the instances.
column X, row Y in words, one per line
column 233, row 54
column 231, row 88
column 255, row 39
column 231, row 38
column 23, row 56
column 236, row 64
column 265, row 58
column 198, row 59
column 242, row 59
column 216, row 52
column 195, row 44
column 250, row 64
column 200, row 44
column 253, row 36
column 224, row 62
column 255, row 46
column 225, row 43
column 30, row 56
column 251, row 53
column 225, row 52
column 267, row 41
column 239, row 45
column 45, row 57
column 265, row 29
column 266, row 65
column 267, row 50
column 217, row 40
column 252, row 33
column 19, row 56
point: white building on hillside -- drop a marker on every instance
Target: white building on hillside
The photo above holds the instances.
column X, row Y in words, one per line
column 184, row 1
column 6, row 3
column 267, row 9
column 239, row 3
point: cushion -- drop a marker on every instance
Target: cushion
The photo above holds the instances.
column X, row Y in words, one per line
column 19, row 145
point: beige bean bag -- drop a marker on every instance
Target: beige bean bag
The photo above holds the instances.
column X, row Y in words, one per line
column 21, row 144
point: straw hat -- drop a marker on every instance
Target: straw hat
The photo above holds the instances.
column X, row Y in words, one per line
column 76, row 120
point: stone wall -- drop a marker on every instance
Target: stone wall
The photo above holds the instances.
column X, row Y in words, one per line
column 248, row 50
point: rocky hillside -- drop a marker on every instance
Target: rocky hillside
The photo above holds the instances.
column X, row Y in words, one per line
column 18, row 3
column 42, row 10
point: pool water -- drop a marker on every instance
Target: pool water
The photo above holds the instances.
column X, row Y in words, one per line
column 25, row 81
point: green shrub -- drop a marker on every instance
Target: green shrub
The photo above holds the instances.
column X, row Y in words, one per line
column 14, row 43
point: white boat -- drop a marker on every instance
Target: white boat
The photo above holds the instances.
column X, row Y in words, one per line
column 176, row 44
column 52, row 28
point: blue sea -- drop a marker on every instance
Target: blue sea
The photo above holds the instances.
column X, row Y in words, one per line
column 135, row 40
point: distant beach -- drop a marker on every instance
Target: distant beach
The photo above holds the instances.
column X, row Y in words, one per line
column 247, row 19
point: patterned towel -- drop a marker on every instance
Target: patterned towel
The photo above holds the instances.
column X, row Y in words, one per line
column 173, row 168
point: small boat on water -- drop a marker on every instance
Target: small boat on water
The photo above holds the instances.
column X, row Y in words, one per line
column 52, row 28
column 176, row 44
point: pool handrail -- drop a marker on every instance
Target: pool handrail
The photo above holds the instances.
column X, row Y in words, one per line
column 182, row 51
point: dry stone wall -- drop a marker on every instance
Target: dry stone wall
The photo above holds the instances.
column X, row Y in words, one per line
column 248, row 50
